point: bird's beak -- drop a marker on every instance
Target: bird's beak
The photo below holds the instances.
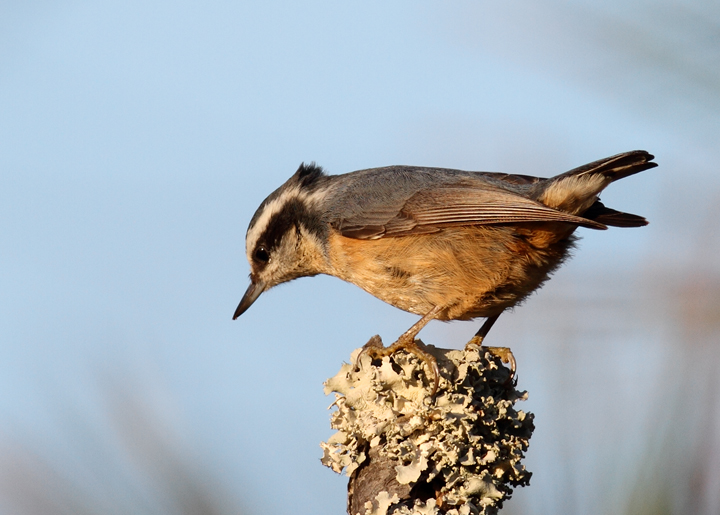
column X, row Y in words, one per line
column 251, row 295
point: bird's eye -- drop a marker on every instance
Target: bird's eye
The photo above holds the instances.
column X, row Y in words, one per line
column 262, row 255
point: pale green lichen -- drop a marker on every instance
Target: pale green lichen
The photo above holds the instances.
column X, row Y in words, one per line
column 460, row 451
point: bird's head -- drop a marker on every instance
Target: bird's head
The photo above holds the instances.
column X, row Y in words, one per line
column 287, row 237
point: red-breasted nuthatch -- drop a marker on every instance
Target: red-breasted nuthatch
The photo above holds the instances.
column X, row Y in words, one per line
column 443, row 244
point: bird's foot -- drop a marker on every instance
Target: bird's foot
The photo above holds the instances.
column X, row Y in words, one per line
column 374, row 348
column 504, row 353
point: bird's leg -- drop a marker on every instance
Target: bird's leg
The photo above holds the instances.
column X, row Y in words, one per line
column 504, row 353
column 482, row 333
column 407, row 342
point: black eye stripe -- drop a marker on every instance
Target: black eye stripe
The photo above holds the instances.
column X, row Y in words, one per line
column 292, row 215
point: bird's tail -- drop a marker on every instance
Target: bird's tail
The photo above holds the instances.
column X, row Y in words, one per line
column 577, row 191
column 615, row 167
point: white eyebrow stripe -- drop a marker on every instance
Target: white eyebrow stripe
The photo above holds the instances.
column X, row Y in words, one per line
column 275, row 206
column 271, row 208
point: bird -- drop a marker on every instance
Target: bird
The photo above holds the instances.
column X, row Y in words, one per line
column 441, row 243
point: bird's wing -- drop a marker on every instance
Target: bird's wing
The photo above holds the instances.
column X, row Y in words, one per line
column 430, row 210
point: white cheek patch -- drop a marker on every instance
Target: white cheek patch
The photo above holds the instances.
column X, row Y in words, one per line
column 314, row 245
column 298, row 255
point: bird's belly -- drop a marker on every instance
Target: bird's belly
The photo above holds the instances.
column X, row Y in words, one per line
column 470, row 271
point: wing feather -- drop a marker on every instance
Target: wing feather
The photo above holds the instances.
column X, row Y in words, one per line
column 430, row 210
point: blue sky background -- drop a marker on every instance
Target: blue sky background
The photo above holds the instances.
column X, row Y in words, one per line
column 138, row 138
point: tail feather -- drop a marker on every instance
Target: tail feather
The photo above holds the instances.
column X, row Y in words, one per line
column 615, row 167
column 607, row 216
column 576, row 192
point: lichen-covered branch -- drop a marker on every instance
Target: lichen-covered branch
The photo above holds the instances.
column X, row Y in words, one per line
column 457, row 453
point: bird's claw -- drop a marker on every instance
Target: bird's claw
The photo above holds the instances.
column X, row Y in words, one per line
column 504, row 353
column 375, row 349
